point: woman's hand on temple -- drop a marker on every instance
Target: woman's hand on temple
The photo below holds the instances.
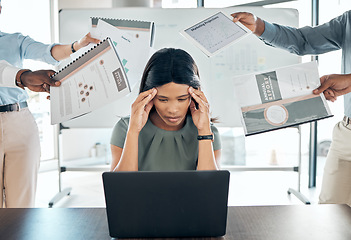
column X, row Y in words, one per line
column 141, row 109
column 200, row 115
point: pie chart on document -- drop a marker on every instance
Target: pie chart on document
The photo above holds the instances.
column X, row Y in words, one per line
column 276, row 115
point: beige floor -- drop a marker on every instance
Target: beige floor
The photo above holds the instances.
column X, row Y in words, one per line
column 246, row 188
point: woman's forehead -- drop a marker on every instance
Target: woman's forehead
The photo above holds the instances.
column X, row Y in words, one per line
column 173, row 89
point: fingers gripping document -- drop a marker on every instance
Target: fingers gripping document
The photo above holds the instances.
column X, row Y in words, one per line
column 280, row 98
column 134, row 53
column 133, row 49
column 94, row 79
column 215, row 33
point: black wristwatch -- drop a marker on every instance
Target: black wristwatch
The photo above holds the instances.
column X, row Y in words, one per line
column 72, row 48
column 205, row 137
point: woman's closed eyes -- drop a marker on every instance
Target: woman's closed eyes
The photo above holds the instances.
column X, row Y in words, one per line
column 182, row 99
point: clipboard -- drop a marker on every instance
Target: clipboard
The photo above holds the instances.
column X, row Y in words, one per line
column 92, row 80
column 215, row 33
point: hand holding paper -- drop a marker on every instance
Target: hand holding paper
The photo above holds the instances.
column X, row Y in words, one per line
column 39, row 81
column 133, row 52
column 215, row 33
column 334, row 85
column 255, row 24
column 89, row 82
column 280, row 98
column 84, row 41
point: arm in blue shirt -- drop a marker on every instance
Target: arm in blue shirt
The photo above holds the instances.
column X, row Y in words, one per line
column 308, row 40
column 31, row 49
column 14, row 47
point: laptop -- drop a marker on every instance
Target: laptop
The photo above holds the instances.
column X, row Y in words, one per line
column 166, row 204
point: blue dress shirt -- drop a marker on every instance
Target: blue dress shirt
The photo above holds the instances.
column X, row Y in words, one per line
column 14, row 48
column 333, row 35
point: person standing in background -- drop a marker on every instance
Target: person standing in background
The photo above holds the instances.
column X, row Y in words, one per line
column 19, row 136
column 330, row 36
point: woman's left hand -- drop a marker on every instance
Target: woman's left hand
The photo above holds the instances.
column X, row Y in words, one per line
column 200, row 115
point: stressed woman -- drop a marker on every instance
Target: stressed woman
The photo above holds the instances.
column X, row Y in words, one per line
column 169, row 128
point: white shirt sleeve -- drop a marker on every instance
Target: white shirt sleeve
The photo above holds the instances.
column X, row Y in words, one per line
column 7, row 74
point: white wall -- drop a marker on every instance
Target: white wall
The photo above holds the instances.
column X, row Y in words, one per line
column 84, row 4
column 103, row 3
column 77, row 143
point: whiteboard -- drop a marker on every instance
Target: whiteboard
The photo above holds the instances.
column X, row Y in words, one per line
column 216, row 73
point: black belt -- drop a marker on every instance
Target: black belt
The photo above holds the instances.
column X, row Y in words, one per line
column 347, row 120
column 13, row 107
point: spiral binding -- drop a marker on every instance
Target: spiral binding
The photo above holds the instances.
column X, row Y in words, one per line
column 119, row 19
column 77, row 59
column 119, row 22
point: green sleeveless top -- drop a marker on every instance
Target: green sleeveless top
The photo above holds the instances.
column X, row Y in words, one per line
column 162, row 150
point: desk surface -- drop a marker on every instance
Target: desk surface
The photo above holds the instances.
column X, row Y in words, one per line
column 248, row 223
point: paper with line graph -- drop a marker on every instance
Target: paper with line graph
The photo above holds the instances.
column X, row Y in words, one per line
column 215, row 33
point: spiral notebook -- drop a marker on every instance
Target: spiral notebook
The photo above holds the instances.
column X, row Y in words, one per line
column 93, row 80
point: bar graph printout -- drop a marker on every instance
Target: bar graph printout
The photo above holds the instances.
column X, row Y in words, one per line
column 215, row 33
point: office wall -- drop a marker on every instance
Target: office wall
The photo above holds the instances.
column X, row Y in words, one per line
column 65, row 4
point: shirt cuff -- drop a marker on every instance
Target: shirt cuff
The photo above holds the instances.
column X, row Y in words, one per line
column 269, row 32
column 9, row 76
column 50, row 59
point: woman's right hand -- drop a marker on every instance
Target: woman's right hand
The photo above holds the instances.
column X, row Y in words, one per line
column 141, row 109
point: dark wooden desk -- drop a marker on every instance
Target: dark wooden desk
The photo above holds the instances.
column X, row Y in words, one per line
column 296, row 222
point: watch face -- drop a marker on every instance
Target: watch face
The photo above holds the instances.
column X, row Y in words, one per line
column 205, row 137
column 276, row 115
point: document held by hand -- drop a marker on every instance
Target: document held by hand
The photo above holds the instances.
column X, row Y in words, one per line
column 215, row 33
column 94, row 79
column 133, row 52
column 142, row 30
column 280, row 98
